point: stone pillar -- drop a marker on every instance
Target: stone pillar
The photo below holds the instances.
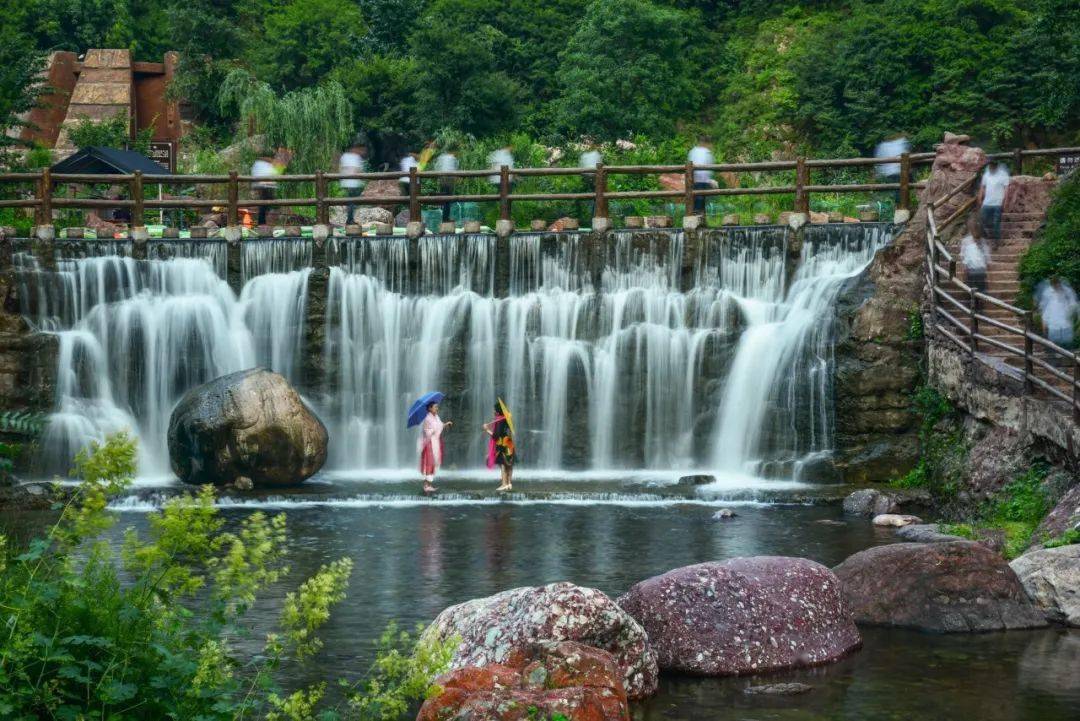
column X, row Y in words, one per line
column 43, row 246
column 504, row 227
column 502, row 267
column 234, row 266
column 140, row 240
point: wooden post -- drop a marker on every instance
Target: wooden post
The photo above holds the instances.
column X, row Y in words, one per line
column 688, row 182
column 1018, row 161
column 233, row 201
column 802, row 198
column 974, row 323
column 414, row 196
column 322, row 210
column 600, row 209
column 905, row 181
column 45, row 209
column 1076, row 388
column 504, row 193
column 1029, row 349
column 137, row 211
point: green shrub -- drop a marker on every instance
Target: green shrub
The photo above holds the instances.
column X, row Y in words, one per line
column 145, row 630
column 1057, row 249
column 1068, row 538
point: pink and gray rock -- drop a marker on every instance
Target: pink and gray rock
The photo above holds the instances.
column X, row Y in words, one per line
column 944, row 587
column 745, row 615
column 491, row 628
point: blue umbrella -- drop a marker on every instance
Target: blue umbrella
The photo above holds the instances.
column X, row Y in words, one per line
column 418, row 410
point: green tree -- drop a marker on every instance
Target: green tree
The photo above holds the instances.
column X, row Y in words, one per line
column 1057, row 249
column 459, row 82
column 301, row 41
column 625, row 70
column 20, row 88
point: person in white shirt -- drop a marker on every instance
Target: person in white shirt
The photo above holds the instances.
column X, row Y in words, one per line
column 701, row 154
column 590, row 158
column 409, row 161
column 890, row 172
column 352, row 161
column 447, row 162
column 975, row 255
column 992, row 197
column 498, row 158
column 1058, row 308
column 264, row 187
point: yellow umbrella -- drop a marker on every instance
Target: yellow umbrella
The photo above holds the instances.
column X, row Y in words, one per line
column 506, row 414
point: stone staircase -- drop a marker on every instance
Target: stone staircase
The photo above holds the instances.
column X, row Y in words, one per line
column 1018, row 229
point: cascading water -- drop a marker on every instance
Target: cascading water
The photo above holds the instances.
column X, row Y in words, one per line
column 629, row 360
column 776, row 404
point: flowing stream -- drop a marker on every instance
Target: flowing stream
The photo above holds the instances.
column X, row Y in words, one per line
column 634, row 360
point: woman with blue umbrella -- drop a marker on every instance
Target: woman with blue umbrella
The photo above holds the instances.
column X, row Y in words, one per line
column 425, row 413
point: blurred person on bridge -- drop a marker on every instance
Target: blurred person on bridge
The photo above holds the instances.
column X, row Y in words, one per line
column 447, row 162
column 264, row 187
column 993, row 193
column 352, row 161
column 590, row 158
column 701, row 154
column 895, row 146
column 410, row 160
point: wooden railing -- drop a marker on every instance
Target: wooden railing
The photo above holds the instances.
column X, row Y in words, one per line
column 961, row 320
column 143, row 189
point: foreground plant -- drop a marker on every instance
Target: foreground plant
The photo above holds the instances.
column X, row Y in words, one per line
column 149, row 630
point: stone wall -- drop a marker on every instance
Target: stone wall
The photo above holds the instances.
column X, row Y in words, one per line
column 878, row 357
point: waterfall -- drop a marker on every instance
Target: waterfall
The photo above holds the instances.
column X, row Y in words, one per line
column 135, row 335
column 645, row 352
column 776, row 403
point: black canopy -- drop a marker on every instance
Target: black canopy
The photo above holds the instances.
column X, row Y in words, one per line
column 97, row 160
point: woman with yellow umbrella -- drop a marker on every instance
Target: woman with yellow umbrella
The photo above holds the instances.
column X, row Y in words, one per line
column 501, row 449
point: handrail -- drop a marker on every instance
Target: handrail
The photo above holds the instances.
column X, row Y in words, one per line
column 969, row 301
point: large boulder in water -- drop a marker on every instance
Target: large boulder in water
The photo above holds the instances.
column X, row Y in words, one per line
column 943, row 587
column 251, row 424
column 1051, row 577
column 745, row 615
column 548, row 680
column 492, row 628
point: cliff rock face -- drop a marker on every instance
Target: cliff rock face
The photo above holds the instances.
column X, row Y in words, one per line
column 877, row 354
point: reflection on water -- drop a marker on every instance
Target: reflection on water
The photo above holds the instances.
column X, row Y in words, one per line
column 413, row 561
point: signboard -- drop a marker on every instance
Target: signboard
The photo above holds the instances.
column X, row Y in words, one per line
column 164, row 154
column 1067, row 164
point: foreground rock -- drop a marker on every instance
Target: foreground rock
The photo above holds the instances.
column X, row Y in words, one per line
column 745, row 615
column 491, row 628
column 541, row 681
column 946, row 587
column 250, row 426
column 1051, row 577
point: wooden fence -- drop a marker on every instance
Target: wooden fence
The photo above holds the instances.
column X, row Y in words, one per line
column 960, row 319
column 44, row 201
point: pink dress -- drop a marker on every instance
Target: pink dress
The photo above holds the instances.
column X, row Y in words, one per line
column 430, row 444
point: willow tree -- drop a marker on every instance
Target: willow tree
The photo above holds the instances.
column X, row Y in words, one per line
column 314, row 123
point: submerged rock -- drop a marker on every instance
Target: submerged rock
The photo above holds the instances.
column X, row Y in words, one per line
column 249, row 425
column 897, row 520
column 541, row 681
column 724, row 514
column 699, row 479
column 946, row 587
column 745, row 615
column 874, row 501
column 926, row 533
column 778, row 689
column 491, row 629
column 1051, row 577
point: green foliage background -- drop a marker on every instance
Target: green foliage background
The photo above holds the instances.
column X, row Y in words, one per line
column 764, row 77
column 1057, row 247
